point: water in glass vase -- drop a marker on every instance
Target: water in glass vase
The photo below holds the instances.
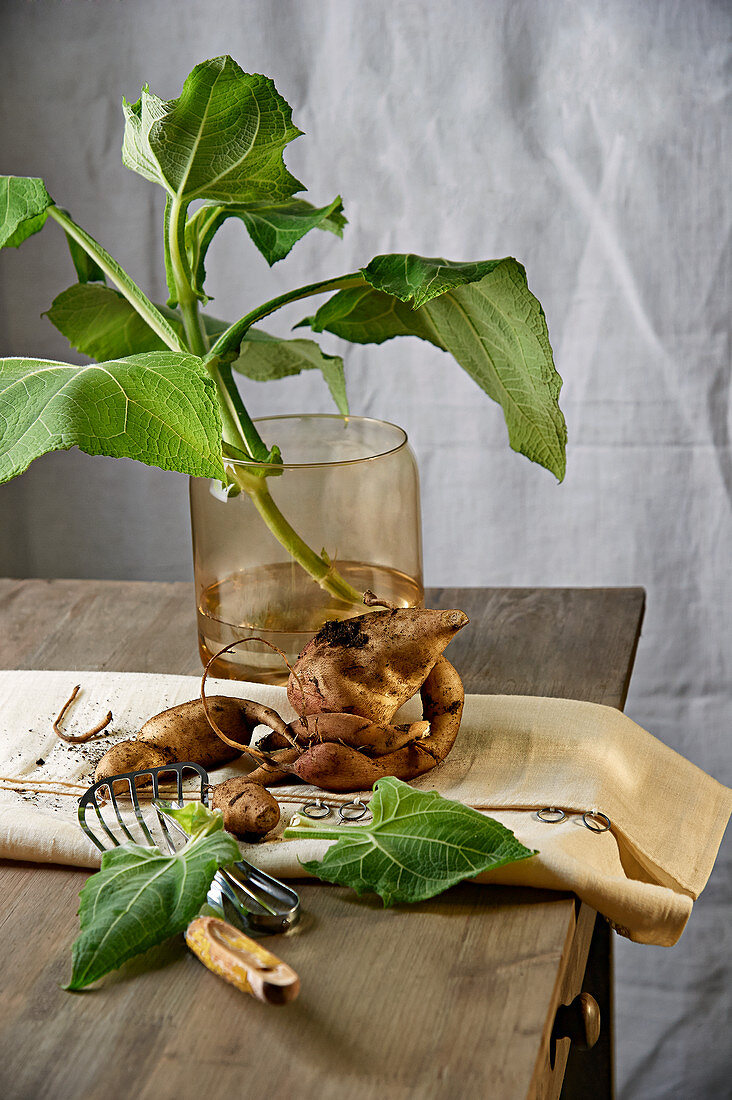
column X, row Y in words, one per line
column 250, row 602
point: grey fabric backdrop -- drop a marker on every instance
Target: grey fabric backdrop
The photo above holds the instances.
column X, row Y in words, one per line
column 590, row 140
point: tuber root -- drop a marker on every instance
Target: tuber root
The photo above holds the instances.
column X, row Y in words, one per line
column 183, row 733
column 276, row 769
column 334, row 767
column 372, row 738
column 347, row 685
column 372, row 664
column 442, row 705
column 249, row 810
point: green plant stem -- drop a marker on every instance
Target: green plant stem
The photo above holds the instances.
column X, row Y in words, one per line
column 332, row 833
column 187, row 300
column 247, row 438
column 231, row 339
column 241, row 437
column 240, row 433
column 139, row 301
column 195, row 335
column 319, row 569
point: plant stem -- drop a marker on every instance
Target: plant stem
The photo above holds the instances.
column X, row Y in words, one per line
column 131, row 291
column 247, row 436
column 192, row 324
column 240, row 432
column 332, row 833
column 187, row 300
column 232, row 338
column 320, row 570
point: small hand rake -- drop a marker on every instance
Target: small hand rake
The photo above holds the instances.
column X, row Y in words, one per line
column 243, row 895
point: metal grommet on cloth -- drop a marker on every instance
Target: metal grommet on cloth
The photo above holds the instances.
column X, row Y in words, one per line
column 315, row 809
column 551, row 815
column 596, row 821
column 353, row 811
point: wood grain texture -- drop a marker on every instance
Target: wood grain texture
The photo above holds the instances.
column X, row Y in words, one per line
column 451, row 998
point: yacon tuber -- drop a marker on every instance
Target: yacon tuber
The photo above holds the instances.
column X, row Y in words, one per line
column 183, row 733
column 250, row 811
column 347, row 685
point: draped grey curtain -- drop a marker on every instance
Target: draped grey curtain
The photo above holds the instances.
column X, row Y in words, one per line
column 588, row 139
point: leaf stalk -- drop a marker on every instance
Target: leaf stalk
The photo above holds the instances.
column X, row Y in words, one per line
column 126, row 286
column 231, row 339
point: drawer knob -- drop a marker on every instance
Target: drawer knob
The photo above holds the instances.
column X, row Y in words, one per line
column 579, row 1021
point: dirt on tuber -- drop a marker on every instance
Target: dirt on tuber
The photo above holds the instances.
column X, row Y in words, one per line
column 373, row 664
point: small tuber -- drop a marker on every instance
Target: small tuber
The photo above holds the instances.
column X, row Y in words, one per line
column 250, row 811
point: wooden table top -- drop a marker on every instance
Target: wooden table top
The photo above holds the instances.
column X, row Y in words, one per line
column 451, row 998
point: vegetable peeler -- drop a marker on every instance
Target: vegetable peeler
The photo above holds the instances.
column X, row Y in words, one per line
column 252, row 900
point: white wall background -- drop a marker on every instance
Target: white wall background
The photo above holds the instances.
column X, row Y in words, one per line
column 588, row 139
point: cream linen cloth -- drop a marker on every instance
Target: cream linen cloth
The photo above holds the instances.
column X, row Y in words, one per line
column 514, row 754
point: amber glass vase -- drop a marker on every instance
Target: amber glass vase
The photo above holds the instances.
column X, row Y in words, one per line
column 349, row 490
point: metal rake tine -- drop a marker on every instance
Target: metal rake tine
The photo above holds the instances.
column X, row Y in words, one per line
column 120, row 819
column 138, row 814
column 237, row 885
column 103, row 823
column 165, row 829
column 81, row 813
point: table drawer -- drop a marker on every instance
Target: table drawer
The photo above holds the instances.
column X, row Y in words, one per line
column 546, row 1083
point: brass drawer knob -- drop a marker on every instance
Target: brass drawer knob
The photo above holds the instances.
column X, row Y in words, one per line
column 579, row 1021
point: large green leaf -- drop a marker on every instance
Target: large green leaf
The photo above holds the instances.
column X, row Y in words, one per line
column 24, row 203
column 100, row 322
column 416, row 845
column 273, row 227
column 366, row 316
column 221, row 140
column 419, row 279
column 263, row 358
column 159, row 408
column 141, row 897
column 494, row 327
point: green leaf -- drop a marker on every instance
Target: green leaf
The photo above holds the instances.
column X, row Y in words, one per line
column 24, row 202
column 419, row 279
column 87, row 269
column 100, row 322
column 159, row 407
column 366, row 316
column 263, row 358
column 109, row 266
column 496, row 330
column 273, row 227
column 417, row 845
column 195, row 816
column 222, row 139
column 141, row 897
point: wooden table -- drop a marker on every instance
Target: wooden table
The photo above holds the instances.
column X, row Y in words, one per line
column 452, row 998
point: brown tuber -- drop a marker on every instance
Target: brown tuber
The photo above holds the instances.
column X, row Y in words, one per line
column 373, row 738
column 183, row 733
column 347, row 685
column 372, row 664
column 334, row 767
column 442, row 705
column 250, row 811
